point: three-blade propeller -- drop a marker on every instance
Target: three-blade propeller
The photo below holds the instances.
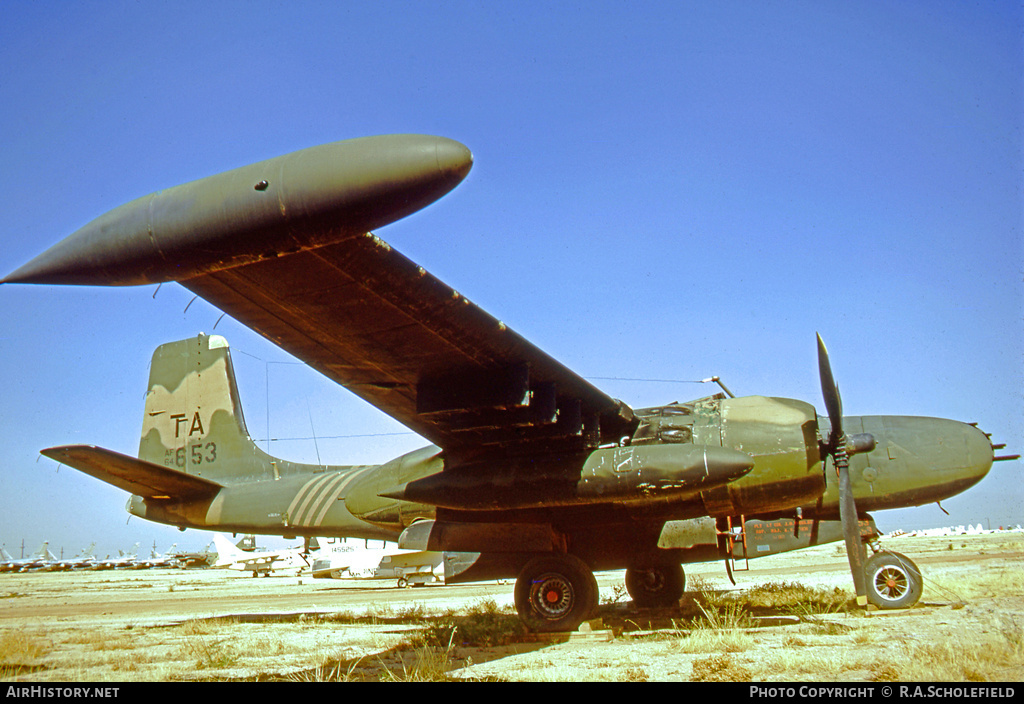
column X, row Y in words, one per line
column 839, row 447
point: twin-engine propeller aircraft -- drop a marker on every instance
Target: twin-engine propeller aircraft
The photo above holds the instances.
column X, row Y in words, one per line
column 534, row 473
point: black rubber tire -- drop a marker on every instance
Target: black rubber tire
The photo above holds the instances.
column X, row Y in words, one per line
column 893, row 581
column 656, row 585
column 555, row 593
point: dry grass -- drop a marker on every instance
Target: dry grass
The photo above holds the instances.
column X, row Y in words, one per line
column 970, row 627
column 720, row 668
column 966, row 656
column 966, row 584
column 710, row 640
column 970, row 656
column 23, row 652
column 484, row 624
column 427, row 653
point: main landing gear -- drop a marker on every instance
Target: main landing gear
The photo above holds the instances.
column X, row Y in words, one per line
column 557, row 592
column 655, row 584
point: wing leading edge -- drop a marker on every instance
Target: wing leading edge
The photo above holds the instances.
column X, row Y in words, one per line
column 145, row 479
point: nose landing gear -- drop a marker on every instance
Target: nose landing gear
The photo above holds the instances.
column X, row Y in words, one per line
column 893, row 581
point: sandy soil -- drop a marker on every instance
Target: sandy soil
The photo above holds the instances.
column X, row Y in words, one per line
column 212, row 624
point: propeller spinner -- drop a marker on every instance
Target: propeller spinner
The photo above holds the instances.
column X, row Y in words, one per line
column 839, row 447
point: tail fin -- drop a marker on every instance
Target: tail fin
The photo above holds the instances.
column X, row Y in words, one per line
column 227, row 553
column 193, row 419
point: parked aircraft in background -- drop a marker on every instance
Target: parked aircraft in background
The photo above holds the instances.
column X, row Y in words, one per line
column 122, row 561
column 407, row 567
column 36, row 561
column 413, row 568
column 155, row 559
column 82, row 560
column 539, row 473
column 44, row 561
column 263, row 563
column 6, row 561
column 197, row 559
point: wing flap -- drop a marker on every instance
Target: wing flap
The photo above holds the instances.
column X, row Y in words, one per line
column 145, row 479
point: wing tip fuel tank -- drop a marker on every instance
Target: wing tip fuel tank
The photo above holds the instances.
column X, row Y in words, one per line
column 301, row 200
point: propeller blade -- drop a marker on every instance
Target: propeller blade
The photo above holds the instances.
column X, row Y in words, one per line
column 855, row 552
column 840, row 458
column 830, row 390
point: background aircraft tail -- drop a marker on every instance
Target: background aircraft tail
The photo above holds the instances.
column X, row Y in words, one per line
column 227, row 553
column 193, row 418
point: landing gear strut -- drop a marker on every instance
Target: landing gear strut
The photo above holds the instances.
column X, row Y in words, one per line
column 555, row 592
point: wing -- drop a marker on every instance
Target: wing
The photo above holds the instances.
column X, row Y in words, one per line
column 283, row 246
column 376, row 323
column 148, row 480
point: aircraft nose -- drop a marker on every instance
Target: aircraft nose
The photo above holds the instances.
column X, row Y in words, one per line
column 980, row 453
column 935, row 458
column 968, row 453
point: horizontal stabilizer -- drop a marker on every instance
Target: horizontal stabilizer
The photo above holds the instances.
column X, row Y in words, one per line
column 146, row 479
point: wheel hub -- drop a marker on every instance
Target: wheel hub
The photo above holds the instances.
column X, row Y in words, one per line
column 891, row 583
column 552, row 596
column 653, row 581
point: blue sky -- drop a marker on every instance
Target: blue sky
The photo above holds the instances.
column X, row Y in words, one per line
column 660, row 191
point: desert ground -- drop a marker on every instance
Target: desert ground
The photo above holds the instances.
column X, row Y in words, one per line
column 187, row 625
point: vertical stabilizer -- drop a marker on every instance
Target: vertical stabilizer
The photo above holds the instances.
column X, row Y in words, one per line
column 193, row 419
column 227, row 554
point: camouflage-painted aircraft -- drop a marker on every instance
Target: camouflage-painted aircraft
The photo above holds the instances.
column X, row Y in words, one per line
column 534, row 472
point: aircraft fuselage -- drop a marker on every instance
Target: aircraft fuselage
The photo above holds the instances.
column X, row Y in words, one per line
column 915, row 461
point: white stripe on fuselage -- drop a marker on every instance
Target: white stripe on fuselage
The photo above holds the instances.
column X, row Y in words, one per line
column 305, row 495
column 316, row 497
column 335, row 494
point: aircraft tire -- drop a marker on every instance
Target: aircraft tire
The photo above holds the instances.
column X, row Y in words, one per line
column 555, row 593
column 656, row 585
column 893, row 581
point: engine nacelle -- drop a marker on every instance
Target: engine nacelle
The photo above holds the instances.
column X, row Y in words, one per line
column 780, row 434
